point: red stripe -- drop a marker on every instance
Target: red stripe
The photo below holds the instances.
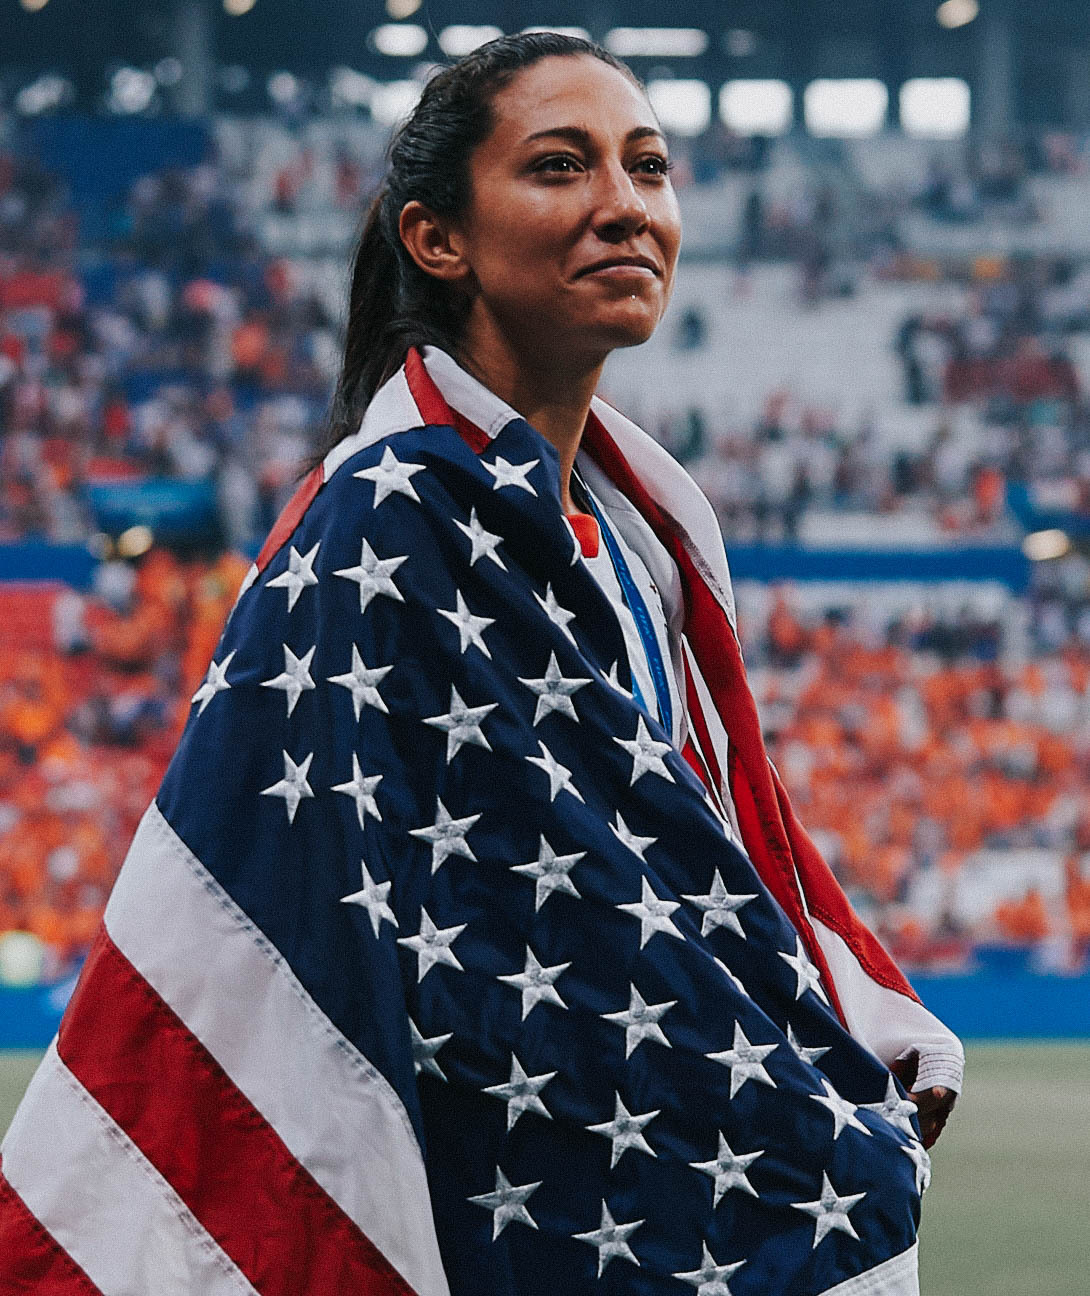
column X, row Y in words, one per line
column 285, row 524
column 167, row 1092
column 433, row 406
column 31, row 1261
column 714, row 777
column 715, row 647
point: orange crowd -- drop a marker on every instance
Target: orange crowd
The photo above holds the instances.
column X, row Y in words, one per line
column 898, row 760
column 93, row 696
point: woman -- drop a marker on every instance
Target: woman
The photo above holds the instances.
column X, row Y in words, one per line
column 471, row 945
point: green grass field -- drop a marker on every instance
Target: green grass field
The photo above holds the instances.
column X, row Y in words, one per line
column 1008, row 1213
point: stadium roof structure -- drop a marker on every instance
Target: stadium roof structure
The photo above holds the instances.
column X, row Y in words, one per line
column 1026, row 62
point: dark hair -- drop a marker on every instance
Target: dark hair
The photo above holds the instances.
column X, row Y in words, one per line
column 393, row 304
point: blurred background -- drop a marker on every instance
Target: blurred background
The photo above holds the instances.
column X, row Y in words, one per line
column 876, row 364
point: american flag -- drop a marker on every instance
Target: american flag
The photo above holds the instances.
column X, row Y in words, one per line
column 436, row 968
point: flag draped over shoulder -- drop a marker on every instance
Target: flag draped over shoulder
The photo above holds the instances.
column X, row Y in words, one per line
column 435, row 967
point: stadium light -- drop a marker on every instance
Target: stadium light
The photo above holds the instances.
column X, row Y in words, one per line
column 402, row 8
column 464, row 38
column 392, row 101
column 935, row 107
column 656, row 42
column 1041, row 546
column 400, row 40
column 579, row 33
column 236, row 8
column 956, row 13
column 683, row 107
column 757, row 107
column 131, row 91
column 846, row 109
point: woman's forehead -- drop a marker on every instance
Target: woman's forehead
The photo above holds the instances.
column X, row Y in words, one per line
column 565, row 91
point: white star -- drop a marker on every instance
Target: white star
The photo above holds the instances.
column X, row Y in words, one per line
column 919, row 1158
column 830, row 1211
column 362, row 791
column 625, row 1131
column 507, row 1203
column 809, row 978
column 728, row 1170
column 895, row 1109
column 482, row 543
column 745, row 1060
column 614, row 679
column 627, row 838
column 554, row 692
column 293, row 787
column 640, row 1021
column 391, row 476
column 520, row 1093
column 374, row 575
column 611, row 1240
column 646, row 753
column 559, row 775
column 432, row 945
column 424, row 1051
column 372, row 897
column 509, row 474
column 446, row 836
column 810, row 1055
column 653, row 913
column 720, row 907
column 536, row 983
column 550, row 872
column 362, row 682
column 558, row 615
column 294, row 679
column 470, row 628
column 462, row 724
column 215, row 681
column 299, row 575
column 711, row 1278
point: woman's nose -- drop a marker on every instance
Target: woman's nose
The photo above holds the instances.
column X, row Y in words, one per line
column 620, row 211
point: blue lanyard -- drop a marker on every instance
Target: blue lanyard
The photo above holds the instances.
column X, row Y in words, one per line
column 642, row 618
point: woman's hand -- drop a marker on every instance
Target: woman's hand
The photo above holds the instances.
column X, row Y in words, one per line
column 933, row 1106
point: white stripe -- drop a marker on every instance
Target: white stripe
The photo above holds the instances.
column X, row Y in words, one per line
column 334, row 1112
column 718, row 735
column 896, row 1277
column 463, row 393
column 392, row 409
column 102, row 1201
column 890, row 1023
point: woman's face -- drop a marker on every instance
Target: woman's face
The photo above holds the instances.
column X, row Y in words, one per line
column 572, row 231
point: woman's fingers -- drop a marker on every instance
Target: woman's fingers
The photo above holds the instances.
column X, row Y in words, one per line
column 934, row 1108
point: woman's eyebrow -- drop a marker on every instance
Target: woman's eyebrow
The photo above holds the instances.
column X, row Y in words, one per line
column 582, row 137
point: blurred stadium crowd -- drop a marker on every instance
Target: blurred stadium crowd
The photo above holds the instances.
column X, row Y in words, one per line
column 189, row 335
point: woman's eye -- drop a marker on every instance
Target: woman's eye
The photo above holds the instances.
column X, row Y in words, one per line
column 654, row 164
column 561, row 163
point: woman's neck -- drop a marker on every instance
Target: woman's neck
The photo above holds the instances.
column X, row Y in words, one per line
column 553, row 398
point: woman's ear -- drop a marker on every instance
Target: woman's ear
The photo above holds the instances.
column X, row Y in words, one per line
column 433, row 243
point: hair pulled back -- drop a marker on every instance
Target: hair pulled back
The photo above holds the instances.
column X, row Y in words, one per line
column 393, row 304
